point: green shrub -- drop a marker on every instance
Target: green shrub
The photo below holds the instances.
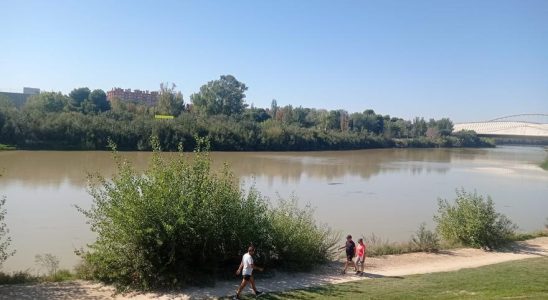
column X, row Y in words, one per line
column 180, row 223
column 473, row 221
column 60, row 275
column 425, row 240
column 5, row 240
column 298, row 242
column 6, row 147
column 17, row 278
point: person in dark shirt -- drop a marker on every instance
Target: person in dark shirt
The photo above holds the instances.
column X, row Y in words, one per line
column 350, row 253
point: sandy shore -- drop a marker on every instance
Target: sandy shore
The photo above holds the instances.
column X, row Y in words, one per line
column 391, row 265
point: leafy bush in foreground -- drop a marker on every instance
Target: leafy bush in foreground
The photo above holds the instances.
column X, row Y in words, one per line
column 473, row 221
column 297, row 241
column 180, row 222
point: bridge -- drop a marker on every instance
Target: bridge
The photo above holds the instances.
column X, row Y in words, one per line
column 533, row 126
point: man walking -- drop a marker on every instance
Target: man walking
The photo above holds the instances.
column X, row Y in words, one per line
column 350, row 253
column 246, row 268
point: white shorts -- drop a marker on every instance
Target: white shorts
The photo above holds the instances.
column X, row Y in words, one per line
column 360, row 260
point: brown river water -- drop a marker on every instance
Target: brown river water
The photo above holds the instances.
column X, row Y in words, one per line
column 388, row 192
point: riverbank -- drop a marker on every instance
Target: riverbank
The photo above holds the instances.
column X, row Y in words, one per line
column 378, row 267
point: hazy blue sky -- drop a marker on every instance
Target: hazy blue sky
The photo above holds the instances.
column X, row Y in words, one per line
column 467, row 60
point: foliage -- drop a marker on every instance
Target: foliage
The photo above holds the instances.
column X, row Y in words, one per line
column 78, row 96
column 6, row 147
column 180, row 222
column 170, row 102
column 96, row 102
column 85, row 120
column 5, row 239
column 58, row 276
column 48, row 102
column 298, row 242
column 473, row 221
column 223, row 96
column 17, row 278
column 26, row 277
column 47, row 261
column 425, row 240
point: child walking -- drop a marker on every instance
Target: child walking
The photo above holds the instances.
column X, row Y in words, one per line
column 360, row 253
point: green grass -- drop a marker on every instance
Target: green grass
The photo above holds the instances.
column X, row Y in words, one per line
column 520, row 279
column 6, row 147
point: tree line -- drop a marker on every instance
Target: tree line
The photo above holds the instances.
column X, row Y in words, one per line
column 86, row 120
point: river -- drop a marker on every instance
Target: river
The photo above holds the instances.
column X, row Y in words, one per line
column 388, row 192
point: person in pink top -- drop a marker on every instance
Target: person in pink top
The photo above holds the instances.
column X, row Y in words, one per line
column 360, row 253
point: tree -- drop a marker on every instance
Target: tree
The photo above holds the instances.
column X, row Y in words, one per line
column 445, row 126
column 98, row 100
column 223, row 96
column 47, row 102
column 170, row 102
column 78, row 96
column 419, row 127
column 273, row 108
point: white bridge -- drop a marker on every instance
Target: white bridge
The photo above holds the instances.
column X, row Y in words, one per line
column 523, row 125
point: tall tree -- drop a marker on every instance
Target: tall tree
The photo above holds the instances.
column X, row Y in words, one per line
column 99, row 99
column 78, row 96
column 419, row 127
column 445, row 126
column 170, row 102
column 223, row 96
column 273, row 108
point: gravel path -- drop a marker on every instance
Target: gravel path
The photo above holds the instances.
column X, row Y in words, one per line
column 386, row 266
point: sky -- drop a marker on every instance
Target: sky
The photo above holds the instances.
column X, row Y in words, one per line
column 466, row 60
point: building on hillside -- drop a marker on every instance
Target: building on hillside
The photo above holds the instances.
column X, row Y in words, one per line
column 19, row 99
column 138, row 96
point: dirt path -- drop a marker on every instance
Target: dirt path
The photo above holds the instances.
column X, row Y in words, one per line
column 391, row 265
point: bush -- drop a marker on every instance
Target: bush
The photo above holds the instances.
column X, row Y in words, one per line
column 60, row 275
column 425, row 240
column 5, row 240
column 297, row 241
column 180, row 223
column 17, row 278
column 473, row 221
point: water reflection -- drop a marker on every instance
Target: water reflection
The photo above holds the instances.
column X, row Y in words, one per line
column 32, row 168
column 386, row 191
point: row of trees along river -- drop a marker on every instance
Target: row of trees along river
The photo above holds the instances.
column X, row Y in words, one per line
column 85, row 120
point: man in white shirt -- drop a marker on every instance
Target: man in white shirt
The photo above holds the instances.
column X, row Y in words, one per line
column 246, row 268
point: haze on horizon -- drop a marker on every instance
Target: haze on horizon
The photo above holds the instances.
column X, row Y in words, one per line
column 465, row 60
